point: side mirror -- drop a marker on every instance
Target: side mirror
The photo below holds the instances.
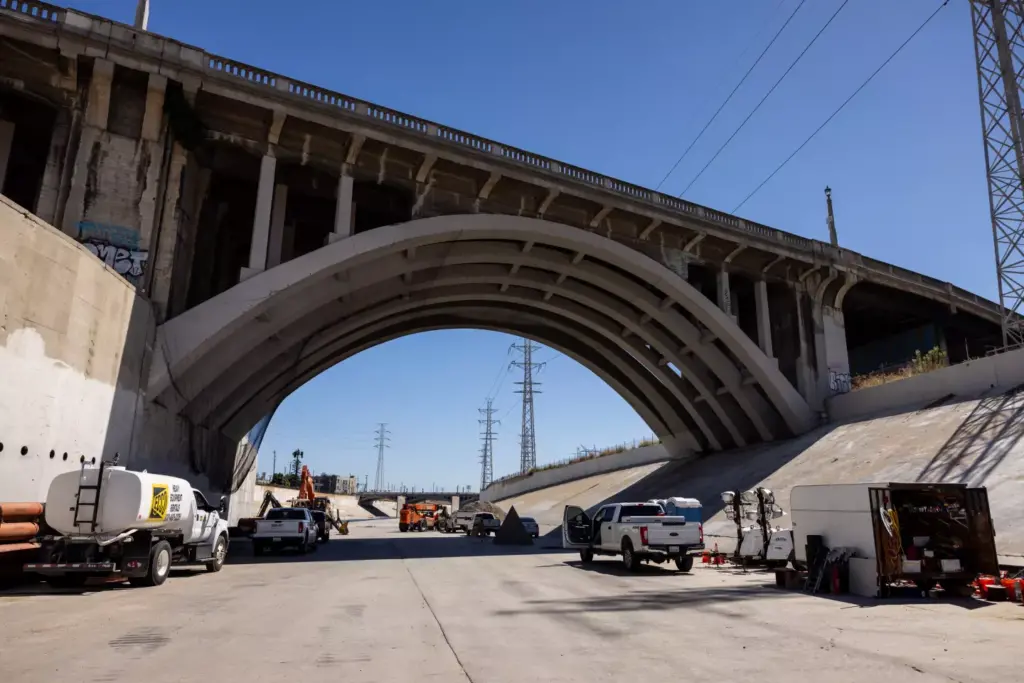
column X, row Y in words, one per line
column 222, row 508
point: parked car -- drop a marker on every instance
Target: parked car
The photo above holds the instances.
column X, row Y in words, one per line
column 484, row 524
column 638, row 532
column 531, row 526
column 285, row 527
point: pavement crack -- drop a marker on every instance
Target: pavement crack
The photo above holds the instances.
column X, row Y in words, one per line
column 440, row 626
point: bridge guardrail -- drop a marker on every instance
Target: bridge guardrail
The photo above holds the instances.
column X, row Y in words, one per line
column 311, row 94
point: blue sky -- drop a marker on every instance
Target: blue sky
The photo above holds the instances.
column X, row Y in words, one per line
column 620, row 88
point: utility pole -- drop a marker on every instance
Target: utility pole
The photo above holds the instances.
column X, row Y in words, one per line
column 487, row 451
column 998, row 44
column 527, row 438
column 833, row 236
column 142, row 15
column 275, row 466
column 382, row 443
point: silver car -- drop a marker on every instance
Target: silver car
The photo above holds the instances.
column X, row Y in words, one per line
column 531, row 526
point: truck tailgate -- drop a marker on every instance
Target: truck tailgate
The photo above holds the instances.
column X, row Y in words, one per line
column 680, row 533
column 278, row 528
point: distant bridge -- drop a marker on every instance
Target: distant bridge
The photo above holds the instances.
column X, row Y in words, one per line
column 418, row 497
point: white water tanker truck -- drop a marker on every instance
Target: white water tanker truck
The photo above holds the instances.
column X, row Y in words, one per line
column 113, row 522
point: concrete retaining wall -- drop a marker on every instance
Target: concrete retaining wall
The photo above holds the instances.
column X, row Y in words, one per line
column 587, row 468
column 76, row 341
column 966, row 380
column 68, row 370
column 246, row 503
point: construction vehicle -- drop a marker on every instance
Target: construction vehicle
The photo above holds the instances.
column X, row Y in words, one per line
column 113, row 522
column 418, row 516
column 323, row 510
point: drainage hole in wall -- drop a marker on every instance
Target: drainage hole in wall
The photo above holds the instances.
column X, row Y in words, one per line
column 52, row 455
column 81, row 459
column 65, row 456
column 94, row 460
column 1, row 447
column 24, row 450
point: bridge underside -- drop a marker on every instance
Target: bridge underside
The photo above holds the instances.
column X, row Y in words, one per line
column 683, row 365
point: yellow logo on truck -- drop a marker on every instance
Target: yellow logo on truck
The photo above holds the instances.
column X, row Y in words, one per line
column 158, row 505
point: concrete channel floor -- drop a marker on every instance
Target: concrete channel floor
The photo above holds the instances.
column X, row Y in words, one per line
column 383, row 606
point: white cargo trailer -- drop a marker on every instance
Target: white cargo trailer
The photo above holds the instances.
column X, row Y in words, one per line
column 111, row 521
column 924, row 533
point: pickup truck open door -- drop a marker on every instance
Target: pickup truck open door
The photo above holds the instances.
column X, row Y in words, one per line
column 577, row 528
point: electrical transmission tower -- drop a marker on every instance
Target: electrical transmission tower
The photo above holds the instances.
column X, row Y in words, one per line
column 527, row 439
column 382, row 442
column 487, row 450
column 999, row 49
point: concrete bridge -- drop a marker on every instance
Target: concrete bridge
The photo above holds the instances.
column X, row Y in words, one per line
column 401, row 497
column 274, row 228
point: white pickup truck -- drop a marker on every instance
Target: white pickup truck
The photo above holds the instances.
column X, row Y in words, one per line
column 285, row 527
column 639, row 532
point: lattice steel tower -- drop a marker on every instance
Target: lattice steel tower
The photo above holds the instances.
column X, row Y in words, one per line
column 527, row 439
column 999, row 48
column 382, row 443
column 487, row 449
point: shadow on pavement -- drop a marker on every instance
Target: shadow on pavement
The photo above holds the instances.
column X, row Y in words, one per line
column 648, row 601
column 394, row 546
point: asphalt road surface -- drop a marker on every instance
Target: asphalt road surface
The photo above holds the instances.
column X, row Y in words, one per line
column 383, row 606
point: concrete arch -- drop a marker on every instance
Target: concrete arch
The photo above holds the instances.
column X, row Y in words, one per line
column 636, row 389
column 578, row 342
column 376, row 307
column 617, row 292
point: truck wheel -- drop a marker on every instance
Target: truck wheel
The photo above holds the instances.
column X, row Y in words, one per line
column 629, row 559
column 586, row 556
column 684, row 563
column 159, row 566
column 403, row 527
column 257, row 549
column 220, row 553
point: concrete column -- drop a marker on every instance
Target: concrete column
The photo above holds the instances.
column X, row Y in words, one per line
column 724, row 292
column 804, row 371
column 831, row 352
column 49, row 189
column 182, row 177
column 399, row 502
column 764, row 321
column 261, row 222
column 275, row 251
column 343, row 213
column 455, row 504
column 6, row 138
column 156, row 188
column 97, row 112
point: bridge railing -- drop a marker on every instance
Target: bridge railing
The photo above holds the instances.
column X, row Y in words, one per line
column 34, row 10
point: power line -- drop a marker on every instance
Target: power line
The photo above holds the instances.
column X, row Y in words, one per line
column 727, row 99
column 766, row 96
column 842, row 106
column 487, row 450
column 382, row 442
column 527, row 438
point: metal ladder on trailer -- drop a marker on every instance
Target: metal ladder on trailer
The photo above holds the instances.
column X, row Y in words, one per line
column 94, row 504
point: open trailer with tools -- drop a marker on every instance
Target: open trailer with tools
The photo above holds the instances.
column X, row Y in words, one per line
column 925, row 534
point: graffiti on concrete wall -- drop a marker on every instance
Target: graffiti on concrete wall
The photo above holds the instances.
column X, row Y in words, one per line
column 116, row 246
column 839, row 382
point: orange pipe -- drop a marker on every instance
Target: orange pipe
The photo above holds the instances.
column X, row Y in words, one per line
column 18, row 531
column 15, row 547
column 9, row 510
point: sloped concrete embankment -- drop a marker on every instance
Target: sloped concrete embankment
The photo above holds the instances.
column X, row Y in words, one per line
column 546, row 479
column 975, row 441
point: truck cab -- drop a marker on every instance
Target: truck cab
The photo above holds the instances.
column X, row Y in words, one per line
column 637, row 532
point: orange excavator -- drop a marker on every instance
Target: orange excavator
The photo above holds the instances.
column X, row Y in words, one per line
column 307, row 498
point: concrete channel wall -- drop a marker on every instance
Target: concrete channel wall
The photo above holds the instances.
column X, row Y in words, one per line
column 68, row 367
column 517, row 486
column 991, row 374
